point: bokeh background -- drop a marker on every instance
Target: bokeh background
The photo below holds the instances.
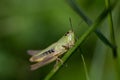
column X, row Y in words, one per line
column 35, row 24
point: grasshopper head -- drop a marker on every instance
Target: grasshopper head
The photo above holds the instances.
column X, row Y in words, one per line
column 69, row 37
column 70, row 32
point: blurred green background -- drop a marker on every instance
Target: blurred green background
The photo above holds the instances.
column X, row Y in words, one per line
column 35, row 24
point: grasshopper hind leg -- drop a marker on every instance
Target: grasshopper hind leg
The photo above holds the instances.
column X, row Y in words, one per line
column 43, row 63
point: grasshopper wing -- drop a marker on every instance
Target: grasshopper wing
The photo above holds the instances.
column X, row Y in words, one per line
column 33, row 52
column 44, row 62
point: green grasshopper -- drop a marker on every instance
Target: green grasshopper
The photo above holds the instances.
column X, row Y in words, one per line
column 53, row 52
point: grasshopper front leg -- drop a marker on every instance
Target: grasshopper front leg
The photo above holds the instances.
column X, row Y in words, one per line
column 57, row 61
column 67, row 47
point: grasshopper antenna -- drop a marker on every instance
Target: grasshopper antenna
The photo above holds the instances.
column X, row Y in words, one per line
column 76, row 37
column 72, row 28
column 70, row 23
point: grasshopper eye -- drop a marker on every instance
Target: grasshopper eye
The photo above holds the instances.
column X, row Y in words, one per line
column 66, row 33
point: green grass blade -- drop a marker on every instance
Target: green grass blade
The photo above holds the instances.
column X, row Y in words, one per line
column 112, row 34
column 85, row 67
column 80, row 41
column 112, row 37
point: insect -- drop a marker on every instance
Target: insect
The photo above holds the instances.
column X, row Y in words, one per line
column 52, row 52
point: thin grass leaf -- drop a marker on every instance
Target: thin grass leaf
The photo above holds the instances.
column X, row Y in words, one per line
column 112, row 34
column 112, row 37
column 80, row 41
column 85, row 67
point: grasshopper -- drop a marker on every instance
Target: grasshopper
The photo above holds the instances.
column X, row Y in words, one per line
column 52, row 52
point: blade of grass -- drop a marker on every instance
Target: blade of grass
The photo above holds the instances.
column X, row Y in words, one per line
column 83, row 51
column 112, row 37
column 80, row 41
column 89, row 22
column 112, row 34
column 85, row 67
